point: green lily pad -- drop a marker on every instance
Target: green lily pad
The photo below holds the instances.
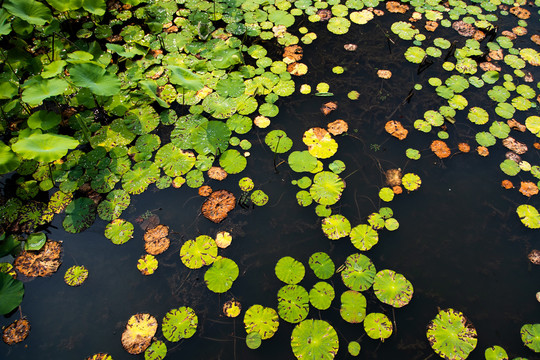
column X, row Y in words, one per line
column 327, row 188
column 533, row 124
column 364, row 237
column 386, row 194
column 278, row 141
column 232, row 86
column 412, row 154
column 338, row 25
column 336, row 227
column 314, row 339
column 44, row 147
column 185, row 78
column 392, row 288
column 253, row 340
column 95, row 78
column 119, row 231
column 354, row 348
column 211, row 137
column 530, row 335
column 529, row 216
column 199, row 252
column 411, row 181
column 137, row 180
column 262, row 320
column 510, row 167
column 80, row 214
column 174, row 161
column 451, row 335
column 485, row 139
column 359, row 272
column 142, row 120
column 353, row 306
column 499, row 129
column 391, row 224
column 478, row 115
column 40, row 89
column 259, row 198
column 156, row 351
column 232, row 161
column 112, row 207
column 378, row 326
column 415, row 54
column 179, row 324
column 221, row 275
column 321, row 295
column 322, row 265
column 376, row 221
column 289, row 270
column 495, row 353
column 293, row 303
column 147, row 264
column 35, row 241
column 404, row 30
column 304, row 198
column 76, row 275
column 246, row 184
column 303, row 161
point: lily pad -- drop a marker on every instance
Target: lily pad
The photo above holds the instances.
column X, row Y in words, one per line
column 495, row 353
column 392, row 288
column 44, row 147
column 320, row 143
column 179, row 324
column 327, row 188
column 322, row 265
column 119, row 231
column 321, row 295
column 278, row 141
column 262, row 320
column 289, row 270
column 314, row 339
column 147, row 264
column 139, row 332
column 80, row 214
column 353, row 306
column 11, row 293
column 378, row 326
column 303, row 161
column 259, row 198
column 411, row 181
column 221, row 275
column 451, row 335
column 76, row 275
column 211, row 137
column 336, row 227
column 293, row 303
column 364, row 237
column 156, row 351
column 232, row 161
column 137, row 180
column 199, row 252
column 359, row 272
column 530, row 335
column 529, row 216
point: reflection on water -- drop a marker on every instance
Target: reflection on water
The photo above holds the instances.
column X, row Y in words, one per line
column 459, row 242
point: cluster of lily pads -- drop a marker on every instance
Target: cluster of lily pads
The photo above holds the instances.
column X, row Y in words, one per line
column 164, row 93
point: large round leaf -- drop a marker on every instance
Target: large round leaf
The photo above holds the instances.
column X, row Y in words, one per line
column 530, row 335
column 451, row 335
column 322, row 265
column 185, row 78
column 359, row 272
column 232, row 161
column 44, row 147
column 8, row 160
column 336, row 226
column 320, row 143
column 221, row 275
column 293, row 303
column 262, row 320
column 529, row 216
column 201, row 251
column 11, row 293
column 31, row 11
column 301, row 161
column 314, row 339
column 289, row 270
column 179, row 324
column 378, row 326
column 136, row 180
column 392, row 288
column 353, row 306
column 95, row 78
column 327, row 188
column 278, row 141
column 174, row 161
column 80, row 214
column 321, row 295
column 211, row 137
column 139, row 332
column 364, row 237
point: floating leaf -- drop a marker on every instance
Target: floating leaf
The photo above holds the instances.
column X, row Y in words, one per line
column 392, row 288
column 221, row 275
column 119, row 231
column 530, row 335
column 139, row 332
column 174, row 161
column 321, row 295
column 253, row 340
column 336, row 227
column 314, row 339
column 354, row 348
column 232, row 161
column 359, row 272
column 327, row 188
column 11, row 293
column 495, row 353
column 451, row 335
column 199, row 252
column 364, row 237
column 147, row 264
column 378, row 326
column 80, row 214
column 76, row 275
column 259, row 198
column 289, row 270
column 156, row 351
column 301, row 161
column 44, row 147
column 211, row 137
column 353, row 306
column 293, row 303
column 411, row 181
column 42, row 263
column 322, row 265
column 262, row 320
column 95, row 78
column 320, row 143
column 278, row 141
column 179, row 324
column 218, row 205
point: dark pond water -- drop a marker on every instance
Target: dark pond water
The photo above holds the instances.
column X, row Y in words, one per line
column 460, row 242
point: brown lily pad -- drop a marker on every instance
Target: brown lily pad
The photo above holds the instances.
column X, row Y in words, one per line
column 384, row 74
column 16, row 332
column 397, row 189
column 395, row 129
column 535, row 39
column 513, row 156
column 216, row 173
column 396, row 7
column 514, row 145
column 205, row 190
column 218, row 205
column 328, row 107
column 293, row 53
column 393, row 177
column 338, row 127
column 528, row 188
column 157, row 246
column 297, row 69
column 464, row 147
column 463, row 28
column 520, row 12
column 507, row 184
column 158, row 232
column 514, row 125
column 509, row 34
column 489, row 66
column 440, row 149
column 324, row 14
column 536, row 146
column 352, row 47
column 44, row 262
column 431, row 25
column 496, row 54
column 534, row 257
column 139, row 332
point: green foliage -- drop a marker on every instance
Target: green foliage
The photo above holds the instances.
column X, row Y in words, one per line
column 179, row 324
column 11, row 293
column 530, row 335
column 378, row 326
column 221, row 275
column 314, row 339
column 262, row 320
column 289, row 270
column 293, row 303
column 451, row 335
